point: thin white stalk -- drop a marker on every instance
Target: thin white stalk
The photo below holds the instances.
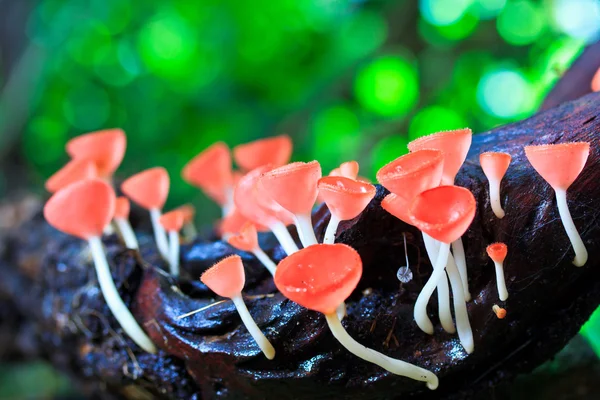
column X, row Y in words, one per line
column 305, row 229
column 254, row 330
column 189, row 231
column 392, row 365
column 127, row 233
column 265, row 260
column 463, row 326
column 461, row 263
column 159, row 234
column 332, row 226
column 494, row 186
column 229, row 205
column 502, row 291
column 174, row 253
column 283, row 237
column 420, row 311
column 114, row 301
column 581, row 254
column 108, row 230
column 341, row 311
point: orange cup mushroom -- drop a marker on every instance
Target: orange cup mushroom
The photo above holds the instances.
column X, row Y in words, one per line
column 275, row 151
column 494, row 165
column 121, row 218
column 172, row 222
column 74, row 171
column 226, row 278
column 247, row 240
column 595, row 84
column 560, row 165
column 83, row 210
column 499, row 311
column 321, row 277
column 497, row 252
column 106, row 148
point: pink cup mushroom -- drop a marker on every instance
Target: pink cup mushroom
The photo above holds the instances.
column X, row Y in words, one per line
column 106, row 148
column 121, row 218
column 321, row 277
column 189, row 228
column 444, row 213
column 560, row 165
column 499, row 311
column 497, row 252
column 275, row 151
column 83, row 209
column 595, row 85
column 149, row 189
column 294, row 187
column 172, row 222
column 247, row 240
column 73, row 171
column 494, row 167
column 226, row 278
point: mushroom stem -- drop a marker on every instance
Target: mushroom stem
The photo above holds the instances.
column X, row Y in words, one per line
column 461, row 263
column 494, row 186
column 581, row 254
column 127, row 233
column 114, row 301
column 265, row 260
column 254, row 330
column 332, row 226
column 108, row 230
column 501, row 283
column 229, row 205
column 174, row 253
column 392, row 365
column 341, row 311
column 159, row 233
column 463, row 326
column 305, row 229
column 283, row 237
column 189, row 231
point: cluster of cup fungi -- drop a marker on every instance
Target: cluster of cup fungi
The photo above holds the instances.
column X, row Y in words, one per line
column 268, row 193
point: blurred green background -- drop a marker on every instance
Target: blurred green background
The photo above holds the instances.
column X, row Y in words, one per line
column 347, row 79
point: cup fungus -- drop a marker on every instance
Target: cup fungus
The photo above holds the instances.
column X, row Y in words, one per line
column 172, row 222
column 106, row 148
column 294, row 187
column 499, row 311
column 321, row 277
column 247, row 240
column 121, row 218
column 497, row 252
column 73, row 171
column 345, row 198
column 275, row 151
column 83, row 209
column 150, row 189
column 494, row 167
column 444, row 213
column 189, row 228
column 226, row 278
column 560, row 165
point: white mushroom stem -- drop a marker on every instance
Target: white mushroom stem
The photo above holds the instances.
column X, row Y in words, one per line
column 229, row 205
column 461, row 263
column 392, row 365
column 127, row 233
column 581, row 254
column 341, row 311
column 283, row 237
column 254, row 330
column 108, row 230
column 501, row 283
column 494, row 185
column 332, row 226
column 265, row 260
column 174, row 253
column 114, row 301
column 463, row 326
column 189, row 231
column 305, row 229
column 159, row 233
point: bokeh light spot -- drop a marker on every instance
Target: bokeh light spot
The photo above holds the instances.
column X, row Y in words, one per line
column 434, row 119
column 505, row 93
column 87, row 107
column 578, row 18
column 336, row 136
column 487, row 9
column 521, row 22
column 43, row 143
column 442, row 13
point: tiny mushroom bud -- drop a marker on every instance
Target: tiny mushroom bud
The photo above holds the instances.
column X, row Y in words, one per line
column 497, row 252
column 73, row 171
column 349, row 169
column 189, row 228
column 106, row 148
column 83, row 209
column 294, row 187
column 499, row 311
column 275, row 151
column 173, row 222
column 150, row 189
column 560, row 165
column 121, row 218
column 595, row 85
column 494, row 167
column 247, row 240
column 226, row 278
column 321, row 277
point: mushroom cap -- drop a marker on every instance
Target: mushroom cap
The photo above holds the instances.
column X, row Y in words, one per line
column 397, row 206
column 349, row 169
column 275, row 151
column 148, row 188
column 246, row 239
column 172, row 221
column 106, row 148
column 73, row 171
column 232, row 222
column 188, row 212
column 454, row 144
column 122, row 207
column 595, row 84
column 413, row 173
column 210, row 171
column 345, row 197
column 497, row 251
column 559, row 164
column 82, row 209
column 494, row 164
column 293, row 186
column 226, row 278
column 444, row 212
column 319, row 277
